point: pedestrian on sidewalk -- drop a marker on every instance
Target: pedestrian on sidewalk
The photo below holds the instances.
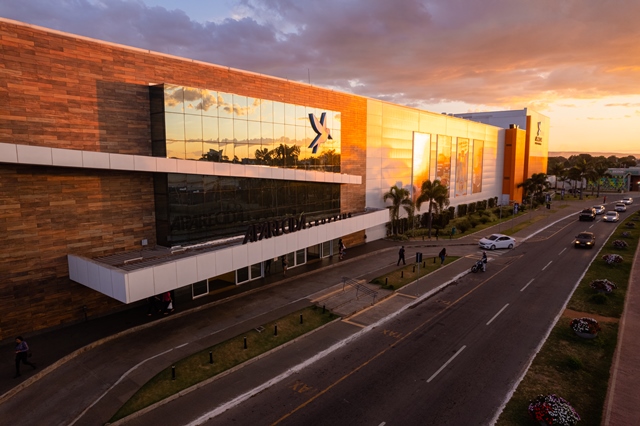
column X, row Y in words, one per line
column 401, row 256
column 437, row 229
column 168, row 302
column 22, row 355
column 285, row 264
column 342, row 248
column 153, row 305
column 442, row 255
column 267, row 267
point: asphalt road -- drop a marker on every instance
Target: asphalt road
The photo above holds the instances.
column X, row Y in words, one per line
column 453, row 359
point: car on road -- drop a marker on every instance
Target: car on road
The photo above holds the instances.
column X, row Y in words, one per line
column 497, row 241
column 585, row 239
column 611, row 216
column 627, row 200
column 587, row 214
column 620, row 207
column 599, row 209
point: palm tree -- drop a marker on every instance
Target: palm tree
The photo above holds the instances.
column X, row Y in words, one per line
column 558, row 171
column 597, row 172
column 436, row 194
column 399, row 197
column 264, row 155
column 535, row 185
column 582, row 167
column 288, row 154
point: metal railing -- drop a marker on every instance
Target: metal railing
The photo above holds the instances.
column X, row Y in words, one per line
column 360, row 288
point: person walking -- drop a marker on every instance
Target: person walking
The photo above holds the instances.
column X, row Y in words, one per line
column 22, row 355
column 442, row 255
column 342, row 248
column 484, row 261
column 437, row 234
column 285, row 264
column 604, row 200
column 167, row 303
column 401, row 256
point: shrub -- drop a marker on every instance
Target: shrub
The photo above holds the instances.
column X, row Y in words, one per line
column 474, row 221
column 484, row 219
column 630, row 225
column 462, row 210
column 598, row 299
column 585, row 325
column 626, row 234
column 620, row 244
column 553, row 410
column 573, row 363
column 610, row 259
column 603, row 285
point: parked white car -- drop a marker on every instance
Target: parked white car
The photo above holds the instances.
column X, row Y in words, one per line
column 497, row 241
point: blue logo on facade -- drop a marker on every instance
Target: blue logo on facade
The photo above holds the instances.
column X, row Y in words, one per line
column 322, row 132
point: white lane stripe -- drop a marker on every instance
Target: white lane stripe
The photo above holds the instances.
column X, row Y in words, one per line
column 562, row 251
column 446, row 363
column 547, row 265
column 499, row 312
column 522, row 289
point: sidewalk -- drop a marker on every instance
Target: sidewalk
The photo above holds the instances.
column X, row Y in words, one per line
column 95, row 366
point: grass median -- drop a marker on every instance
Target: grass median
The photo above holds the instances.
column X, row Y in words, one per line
column 574, row 368
column 197, row 367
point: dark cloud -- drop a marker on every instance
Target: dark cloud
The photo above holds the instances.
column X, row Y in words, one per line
column 494, row 52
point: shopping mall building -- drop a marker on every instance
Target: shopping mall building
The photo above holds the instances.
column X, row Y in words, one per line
column 126, row 173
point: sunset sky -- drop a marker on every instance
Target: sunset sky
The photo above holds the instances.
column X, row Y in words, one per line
column 576, row 61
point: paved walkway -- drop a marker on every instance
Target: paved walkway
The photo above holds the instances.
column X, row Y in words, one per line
column 93, row 367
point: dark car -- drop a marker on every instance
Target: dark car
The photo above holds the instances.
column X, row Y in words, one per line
column 585, row 239
column 588, row 214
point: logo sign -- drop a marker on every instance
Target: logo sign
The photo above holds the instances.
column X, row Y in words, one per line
column 539, row 133
column 273, row 228
column 321, row 129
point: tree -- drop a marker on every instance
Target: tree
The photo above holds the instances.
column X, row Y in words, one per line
column 597, row 172
column 399, row 197
column 535, row 185
column 558, row 171
column 436, row 194
column 582, row 166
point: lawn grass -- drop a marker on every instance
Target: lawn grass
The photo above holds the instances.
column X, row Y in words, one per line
column 574, row 368
column 197, row 368
column 409, row 273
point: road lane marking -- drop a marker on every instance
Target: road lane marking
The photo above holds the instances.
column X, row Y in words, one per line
column 446, row 363
column 562, row 251
column 550, row 262
column 591, row 226
column 522, row 289
column 499, row 312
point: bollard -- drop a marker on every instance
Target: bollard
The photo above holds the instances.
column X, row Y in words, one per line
column 401, row 274
column 210, row 357
column 414, row 268
column 434, row 260
column 275, row 330
column 424, row 264
column 386, row 281
column 173, row 372
column 323, row 309
column 245, row 343
column 300, row 318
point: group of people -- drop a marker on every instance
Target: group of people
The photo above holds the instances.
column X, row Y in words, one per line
column 442, row 255
column 161, row 304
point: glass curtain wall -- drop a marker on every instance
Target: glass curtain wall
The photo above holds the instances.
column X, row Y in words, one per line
column 192, row 208
column 478, row 154
column 208, row 125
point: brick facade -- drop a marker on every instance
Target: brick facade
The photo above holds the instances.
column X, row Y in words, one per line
column 62, row 91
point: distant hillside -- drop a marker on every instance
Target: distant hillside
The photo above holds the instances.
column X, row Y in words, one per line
column 568, row 154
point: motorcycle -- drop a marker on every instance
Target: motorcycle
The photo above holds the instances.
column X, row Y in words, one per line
column 478, row 266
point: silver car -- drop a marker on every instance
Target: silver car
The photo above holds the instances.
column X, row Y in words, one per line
column 620, row 207
column 627, row 200
column 599, row 209
column 611, row 216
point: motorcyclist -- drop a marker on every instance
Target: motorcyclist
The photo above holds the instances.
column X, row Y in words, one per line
column 484, row 261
